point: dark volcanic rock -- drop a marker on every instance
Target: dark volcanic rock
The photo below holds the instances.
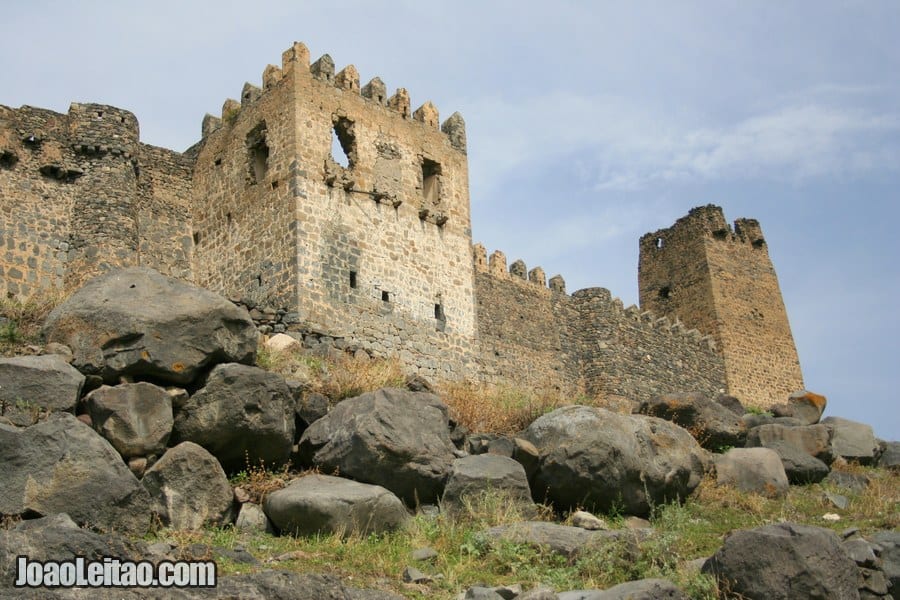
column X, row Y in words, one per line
column 713, row 425
column 36, row 384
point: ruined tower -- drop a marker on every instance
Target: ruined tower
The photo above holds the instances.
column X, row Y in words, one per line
column 720, row 280
column 338, row 201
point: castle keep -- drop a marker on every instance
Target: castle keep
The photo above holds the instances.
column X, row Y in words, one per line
column 373, row 251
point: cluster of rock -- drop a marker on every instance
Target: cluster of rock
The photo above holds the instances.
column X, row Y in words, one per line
column 148, row 396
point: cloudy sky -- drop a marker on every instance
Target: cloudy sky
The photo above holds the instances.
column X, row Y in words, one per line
column 589, row 124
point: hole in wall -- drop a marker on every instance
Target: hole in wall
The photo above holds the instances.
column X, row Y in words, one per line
column 660, row 243
column 343, row 142
column 385, row 296
column 431, row 172
column 196, row 237
column 100, row 115
column 353, row 281
column 275, row 185
column 8, row 159
column 218, row 162
column 665, row 292
column 759, row 243
column 439, row 312
column 257, row 153
column 720, row 234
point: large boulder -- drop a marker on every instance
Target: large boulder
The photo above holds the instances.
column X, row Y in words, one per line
column 814, row 440
column 136, row 418
column 756, row 470
column 713, row 425
column 851, row 440
column 803, row 405
column 564, row 539
column 141, row 323
column 391, row 437
column 323, row 504
column 783, row 562
column 242, row 414
column 800, row 467
column 62, row 465
column 57, row 537
column 32, row 385
column 481, row 474
column 889, row 542
column 189, row 489
column 597, row 459
column 890, row 456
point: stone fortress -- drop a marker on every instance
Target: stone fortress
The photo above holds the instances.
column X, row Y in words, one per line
column 376, row 254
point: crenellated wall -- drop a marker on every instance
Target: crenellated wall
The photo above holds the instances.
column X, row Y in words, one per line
column 336, row 212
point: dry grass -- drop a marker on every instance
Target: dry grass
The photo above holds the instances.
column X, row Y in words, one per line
column 22, row 320
column 498, row 409
column 337, row 377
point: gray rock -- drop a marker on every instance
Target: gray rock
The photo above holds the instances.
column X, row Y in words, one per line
column 855, row 482
column 751, row 420
column 586, row 520
column 310, row 408
column 477, row 475
column 62, row 465
column 57, row 537
column 562, row 539
column 804, row 405
column 481, row 593
column 837, row 500
column 732, row 404
column 785, row 561
column 136, row 418
column 252, row 518
column 189, row 489
column 595, row 459
column 527, row 455
column 423, row 554
column 140, row 323
column 241, row 415
column 800, row 467
column 413, row 575
column 861, row 551
column 852, row 440
column 391, row 437
column 643, row 589
column 32, row 385
column 324, row 504
column 713, row 425
column 756, row 470
column 814, row 440
column 286, row 585
column 890, row 456
column 889, row 542
column 541, row 592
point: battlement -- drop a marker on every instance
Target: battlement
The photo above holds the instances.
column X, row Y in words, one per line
column 295, row 63
column 517, row 271
column 705, row 222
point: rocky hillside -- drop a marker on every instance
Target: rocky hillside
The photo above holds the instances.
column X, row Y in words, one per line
column 141, row 427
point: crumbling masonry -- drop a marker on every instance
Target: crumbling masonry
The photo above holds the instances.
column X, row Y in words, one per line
column 372, row 250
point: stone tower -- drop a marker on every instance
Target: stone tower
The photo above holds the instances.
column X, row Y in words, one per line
column 721, row 281
column 339, row 202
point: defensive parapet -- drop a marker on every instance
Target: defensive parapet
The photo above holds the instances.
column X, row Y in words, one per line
column 358, row 205
column 720, row 280
column 517, row 271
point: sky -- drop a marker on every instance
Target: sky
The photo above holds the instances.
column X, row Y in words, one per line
column 588, row 124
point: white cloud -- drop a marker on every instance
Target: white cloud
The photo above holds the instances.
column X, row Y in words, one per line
column 620, row 145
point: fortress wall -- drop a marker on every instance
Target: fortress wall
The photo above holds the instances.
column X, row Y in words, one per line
column 164, row 218
column 34, row 208
column 524, row 332
column 243, row 206
column 629, row 354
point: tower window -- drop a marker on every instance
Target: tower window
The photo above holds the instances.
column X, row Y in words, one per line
column 439, row 312
column 385, row 296
column 258, row 153
column 660, row 242
column 665, row 292
column 431, row 172
column 353, row 280
column 343, row 142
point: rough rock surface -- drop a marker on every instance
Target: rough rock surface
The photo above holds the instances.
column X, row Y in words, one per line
column 815, row 440
column 597, row 459
column 642, row 589
column 136, row 418
column 562, row 539
column 800, row 467
column 141, row 323
column 62, row 465
column 757, row 470
column 189, row 489
column 713, row 425
column 890, row 456
column 391, row 437
column 803, row 405
column 785, row 561
column 35, row 384
column 324, row 504
column 472, row 476
column 889, row 541
column 851, row 440
column 242, row 415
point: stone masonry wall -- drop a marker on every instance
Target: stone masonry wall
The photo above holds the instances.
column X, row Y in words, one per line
column 80, row 195
column 721, row 281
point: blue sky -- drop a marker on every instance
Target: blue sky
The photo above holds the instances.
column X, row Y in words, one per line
column 589, row 124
